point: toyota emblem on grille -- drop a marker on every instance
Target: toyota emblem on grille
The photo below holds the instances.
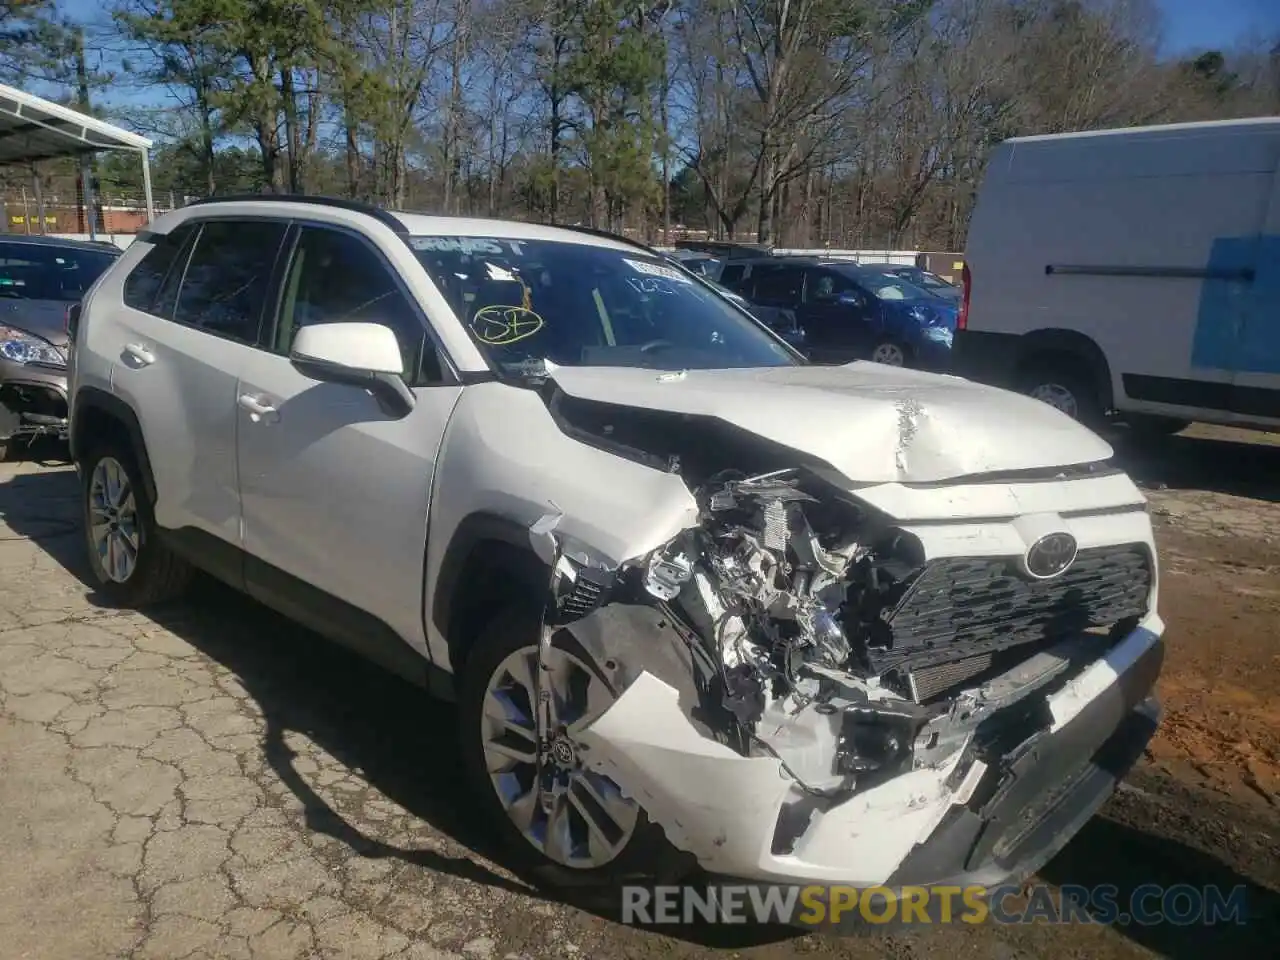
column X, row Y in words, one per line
column 1051, row 555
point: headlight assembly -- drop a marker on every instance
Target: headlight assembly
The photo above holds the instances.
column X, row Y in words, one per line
column 22, row 347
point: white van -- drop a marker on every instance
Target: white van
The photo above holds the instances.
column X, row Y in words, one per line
column 1131, row 272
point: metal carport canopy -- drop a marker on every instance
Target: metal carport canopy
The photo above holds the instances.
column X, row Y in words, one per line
column 33, row 129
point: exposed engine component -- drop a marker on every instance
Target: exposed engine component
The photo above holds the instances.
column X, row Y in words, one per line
column 839, row 641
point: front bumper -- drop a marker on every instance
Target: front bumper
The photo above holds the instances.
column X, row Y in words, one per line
column 33, row 401
column 974, row 819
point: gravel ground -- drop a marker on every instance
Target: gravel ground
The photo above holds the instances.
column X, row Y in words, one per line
column 212, row 781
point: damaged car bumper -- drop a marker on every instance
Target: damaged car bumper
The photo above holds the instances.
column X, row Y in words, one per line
column 33, row 400
column 1028, row 772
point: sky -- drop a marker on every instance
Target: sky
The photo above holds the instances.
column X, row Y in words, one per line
column 1213, row 24
column 1189, row 25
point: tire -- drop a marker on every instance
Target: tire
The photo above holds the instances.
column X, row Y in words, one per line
column 1065, row 387
column 890, row 348
column 156, row 574
column 644, row 855
column 1151, row 427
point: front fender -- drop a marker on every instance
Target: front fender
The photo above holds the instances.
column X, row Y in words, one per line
column 503, row 457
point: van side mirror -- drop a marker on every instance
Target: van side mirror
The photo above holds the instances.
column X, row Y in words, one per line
column 365, row 355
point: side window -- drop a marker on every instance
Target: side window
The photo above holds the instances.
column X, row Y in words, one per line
column 336, row 277
column 731, row 275
column 779, row 285
column 826, row 285
column 225, row 285
column 142, row 285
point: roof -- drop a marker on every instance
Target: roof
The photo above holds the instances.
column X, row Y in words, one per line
column 35, row 129
column 99, row 246
column 409, row 224
column 1199, row 126
column 419, row 224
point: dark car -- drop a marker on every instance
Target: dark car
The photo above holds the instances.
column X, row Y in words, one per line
column 852, row 312
column 781, row 321
column 930, row 283
column 40, row 278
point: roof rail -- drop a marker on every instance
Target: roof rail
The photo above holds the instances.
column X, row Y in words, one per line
column 607, row 235
column 357, row 206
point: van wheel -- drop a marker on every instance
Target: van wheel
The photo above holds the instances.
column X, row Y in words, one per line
column 1064, row 388
column 573, row 827
column 132, row 566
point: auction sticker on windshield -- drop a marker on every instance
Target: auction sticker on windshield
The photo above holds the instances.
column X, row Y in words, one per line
column 656, row 270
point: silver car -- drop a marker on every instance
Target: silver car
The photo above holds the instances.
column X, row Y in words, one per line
column 40, row 279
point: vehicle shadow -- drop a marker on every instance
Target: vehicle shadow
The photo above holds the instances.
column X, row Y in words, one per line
column 1173, row 881
column 1194, row 461
column 399, row 739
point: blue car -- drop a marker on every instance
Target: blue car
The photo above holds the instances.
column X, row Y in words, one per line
column 851, row 312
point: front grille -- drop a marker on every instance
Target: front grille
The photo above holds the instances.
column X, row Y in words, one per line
column 963, row 606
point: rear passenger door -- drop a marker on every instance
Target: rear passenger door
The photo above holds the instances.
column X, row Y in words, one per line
column 193, row 306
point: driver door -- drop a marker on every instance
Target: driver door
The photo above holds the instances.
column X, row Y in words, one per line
column 335, row 490
column 837, row 317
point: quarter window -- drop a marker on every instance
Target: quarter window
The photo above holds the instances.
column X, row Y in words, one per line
column 142, row 286
column 225, row 285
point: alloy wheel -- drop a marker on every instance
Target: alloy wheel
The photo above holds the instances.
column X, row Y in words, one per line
column 574, row 816
column 113, row 520
column 889, row 354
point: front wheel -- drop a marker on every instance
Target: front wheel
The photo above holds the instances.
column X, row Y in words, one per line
column 890, row 353
column 132, row 566
column 567, row 824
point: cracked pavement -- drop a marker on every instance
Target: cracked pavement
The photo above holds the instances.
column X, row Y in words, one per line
column 150, row 807
column 210, row 780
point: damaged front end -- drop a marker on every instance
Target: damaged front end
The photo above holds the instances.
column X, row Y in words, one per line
column 806, row 693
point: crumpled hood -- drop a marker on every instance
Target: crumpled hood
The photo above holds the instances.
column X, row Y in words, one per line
column 870, row 422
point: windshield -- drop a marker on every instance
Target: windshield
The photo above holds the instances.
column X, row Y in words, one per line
column 885, row 286
column 932, row 281
column 31, row 271
column 578, row 304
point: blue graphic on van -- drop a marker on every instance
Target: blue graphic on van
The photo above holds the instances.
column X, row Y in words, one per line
column 1238, row 323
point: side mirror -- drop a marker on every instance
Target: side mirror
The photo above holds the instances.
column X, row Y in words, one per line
column 365, row 355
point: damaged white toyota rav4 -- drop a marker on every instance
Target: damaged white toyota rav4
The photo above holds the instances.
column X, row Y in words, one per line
column 700, row 603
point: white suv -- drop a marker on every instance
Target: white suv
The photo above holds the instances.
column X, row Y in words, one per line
column 697, row 600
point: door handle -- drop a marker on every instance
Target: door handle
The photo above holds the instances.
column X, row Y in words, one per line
column 140, row 353
column 259, row 409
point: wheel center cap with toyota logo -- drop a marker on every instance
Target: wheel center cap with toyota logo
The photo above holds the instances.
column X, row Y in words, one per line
column 1050, row 556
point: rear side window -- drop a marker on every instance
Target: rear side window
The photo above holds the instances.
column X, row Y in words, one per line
column 226, row 280
column 779, row 284
column 142, row 286
column 30, row 271
column 731, row 275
